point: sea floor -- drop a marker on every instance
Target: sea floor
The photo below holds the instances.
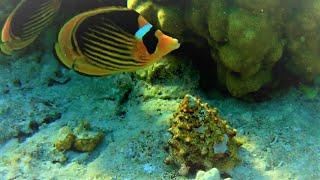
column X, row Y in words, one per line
column 38, row 96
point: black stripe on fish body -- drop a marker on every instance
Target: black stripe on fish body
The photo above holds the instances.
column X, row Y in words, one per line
column 38, row 25
column 42, row 9
column 31, row 33
column 31, row 30
column 108, row 49
column 106, row 46
column 74, row 43
column 127, row 20
column 92, row 60
column 111, row 39
column 96, row 60
column 102, row 39
column 99, row 26
column 95, row 38
column 114, row 30
column 114, row 59
column 104, row 23
column 124, row 20
column 43, row 15
column 150, row 40
column 23, row 13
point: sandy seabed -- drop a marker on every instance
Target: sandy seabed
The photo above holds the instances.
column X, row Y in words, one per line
column 38, row 96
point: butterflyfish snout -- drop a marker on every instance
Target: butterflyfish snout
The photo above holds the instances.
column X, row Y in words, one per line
column 175, row 44
column 26, row 22
column 169, row 42
column 111, row 40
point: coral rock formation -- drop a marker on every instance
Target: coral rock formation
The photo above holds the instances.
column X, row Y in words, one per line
column 80, row 139
column 65, row 139
column 201, row 139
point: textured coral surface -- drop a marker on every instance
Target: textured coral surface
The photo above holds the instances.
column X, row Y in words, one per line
column 201, row 139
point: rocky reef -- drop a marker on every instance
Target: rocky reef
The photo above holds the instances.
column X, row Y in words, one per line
column 79, row 139
column 200, row 139
column 249, row 39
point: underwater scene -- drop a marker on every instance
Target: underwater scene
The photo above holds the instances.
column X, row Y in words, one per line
column 160, row 89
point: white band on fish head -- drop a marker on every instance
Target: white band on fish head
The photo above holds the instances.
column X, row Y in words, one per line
column 143, row 31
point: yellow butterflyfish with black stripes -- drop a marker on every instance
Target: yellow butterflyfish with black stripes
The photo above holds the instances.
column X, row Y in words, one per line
column 111, row 40
column 26, row 22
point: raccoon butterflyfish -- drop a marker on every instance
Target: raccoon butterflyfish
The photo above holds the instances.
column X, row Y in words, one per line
column 111, row 40
column 26, row 22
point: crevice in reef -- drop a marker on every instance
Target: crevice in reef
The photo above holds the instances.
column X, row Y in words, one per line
column 120, row 110
column 202, row 62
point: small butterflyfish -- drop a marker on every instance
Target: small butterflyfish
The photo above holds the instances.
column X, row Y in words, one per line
column 26, row 22
column 111, row 40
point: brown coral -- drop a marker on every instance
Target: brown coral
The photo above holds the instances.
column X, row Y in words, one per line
column 201, row 139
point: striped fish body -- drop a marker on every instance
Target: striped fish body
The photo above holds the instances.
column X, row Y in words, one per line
column 26, row 22
column 111, row 40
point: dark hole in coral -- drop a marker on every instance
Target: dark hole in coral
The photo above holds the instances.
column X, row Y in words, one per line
column 6, row 91
column 17, row 83
column 34, row 126
column 58, row 74
column 55, row 161
column 125, row 97
column 54, row 82
column 51, row 118
column 194, row 167
column 166, row 148
column 48, row 103
column 236, row 74
column 50, row 84
column 227, row 153
column 187, row 154
column 22, row 136
column 225, row 175
column 121, row 113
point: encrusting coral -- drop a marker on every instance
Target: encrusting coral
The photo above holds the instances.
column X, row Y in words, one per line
column 201, row 139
